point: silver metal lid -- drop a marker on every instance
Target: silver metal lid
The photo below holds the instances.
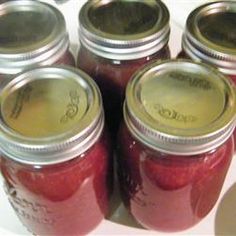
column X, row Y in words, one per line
column 180, row 107
column 31, row 33
column 123, row 29
column 49, row 115
column 210, row 35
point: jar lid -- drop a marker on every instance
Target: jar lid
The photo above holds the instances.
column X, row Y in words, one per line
column 49, row 115
column 124, row 30
column 31, row 33
column 180, row 107
column 210, row 35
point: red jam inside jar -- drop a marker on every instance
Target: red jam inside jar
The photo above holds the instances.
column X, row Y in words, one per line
column 57, row 168
column 114, row 44
column 175, row 145
column 32, row 34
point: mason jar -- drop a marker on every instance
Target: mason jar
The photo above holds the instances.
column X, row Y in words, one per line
column 32, row 34
column 116, row 38
column 175, row 144
column 56, row 159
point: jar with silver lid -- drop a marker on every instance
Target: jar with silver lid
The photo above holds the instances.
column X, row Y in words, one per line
column 56, row 158
column 32, row 34
column 175, row 145
column 117, row 38
column 210, row 37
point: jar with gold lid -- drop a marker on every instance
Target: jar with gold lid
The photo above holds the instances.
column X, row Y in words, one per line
column 118, row 37
column 175, row 144
column 56, row 158
column 32, row 33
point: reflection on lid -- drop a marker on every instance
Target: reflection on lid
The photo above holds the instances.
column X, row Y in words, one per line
column 44, row 108
column 123, row 18
column 219, row 28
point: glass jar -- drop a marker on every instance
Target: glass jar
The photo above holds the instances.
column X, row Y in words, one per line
column 175, row 145
column 118, row 37
column 32, row 34
column 56, row 158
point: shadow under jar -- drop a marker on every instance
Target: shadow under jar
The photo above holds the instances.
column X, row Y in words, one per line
column 32, row 34
column 56, row 159
column 117, row 38
column 175, row 145
column 210, row 37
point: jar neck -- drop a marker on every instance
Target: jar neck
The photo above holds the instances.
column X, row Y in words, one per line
column 124, row 50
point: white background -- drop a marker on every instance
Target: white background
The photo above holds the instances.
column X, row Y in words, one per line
column 220, row 221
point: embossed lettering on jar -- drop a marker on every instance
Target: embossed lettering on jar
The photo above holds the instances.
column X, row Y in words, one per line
column 32, row 34
column 175, row 145
column 55, row 152
column 118, row 37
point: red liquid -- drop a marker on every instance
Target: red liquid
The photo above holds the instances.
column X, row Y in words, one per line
column 63, row 199
column 67, row 59
column 169, row 192
column 112, row 77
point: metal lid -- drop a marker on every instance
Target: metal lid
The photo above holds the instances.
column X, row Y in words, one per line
column 123, row 29
column 31, row 33
column 210, row 35
column 180, row 107
column 49, row 115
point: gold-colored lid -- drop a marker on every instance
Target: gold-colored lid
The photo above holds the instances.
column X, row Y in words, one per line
column 56, row 111
column 124, row 29
column 180, row 107
column 210, row 35
column 31, row 33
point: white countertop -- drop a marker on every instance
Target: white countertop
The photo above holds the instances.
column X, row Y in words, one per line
column 220, row 221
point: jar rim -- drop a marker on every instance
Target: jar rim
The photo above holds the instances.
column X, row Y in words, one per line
column 61, row 128
column 173, row 122
column 123, row 46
